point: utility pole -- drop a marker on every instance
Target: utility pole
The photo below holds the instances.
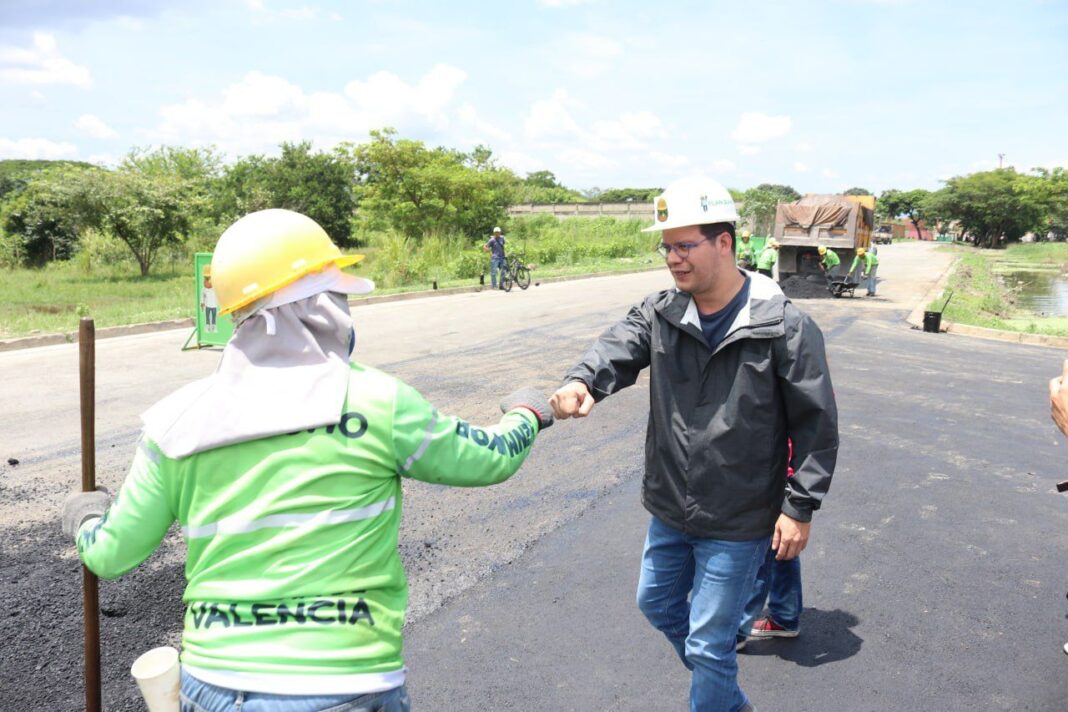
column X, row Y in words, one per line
column 1001, row 156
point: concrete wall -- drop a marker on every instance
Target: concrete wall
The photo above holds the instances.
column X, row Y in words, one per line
column 585, row 210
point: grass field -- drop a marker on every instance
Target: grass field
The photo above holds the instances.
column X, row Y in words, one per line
column 985, row 292
column 53, row 299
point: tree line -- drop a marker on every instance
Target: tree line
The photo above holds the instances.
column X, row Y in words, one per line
column 174, row 198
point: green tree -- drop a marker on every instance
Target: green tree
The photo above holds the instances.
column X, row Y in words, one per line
column 759, row 204
column 1047, row 191
column 623, row 195
column 39, row 218
column 317, row 184
column 142, row 204
column 993, row 206
column 858, row 191
column 904, row 204
column 420, row 191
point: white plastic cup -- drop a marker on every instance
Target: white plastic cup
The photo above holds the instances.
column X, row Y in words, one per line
column 159, row 676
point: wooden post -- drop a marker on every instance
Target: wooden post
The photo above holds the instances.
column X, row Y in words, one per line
column 90, row 590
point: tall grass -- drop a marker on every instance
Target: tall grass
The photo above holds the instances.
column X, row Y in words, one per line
column 102, row 281
column 980, row 298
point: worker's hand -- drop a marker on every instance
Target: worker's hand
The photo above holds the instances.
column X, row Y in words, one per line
column 80, row 506
column 1058, row 399
column 533, row 400
column 790, row 538
column 572, row 400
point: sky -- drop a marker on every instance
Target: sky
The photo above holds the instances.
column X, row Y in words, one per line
column 822, row 95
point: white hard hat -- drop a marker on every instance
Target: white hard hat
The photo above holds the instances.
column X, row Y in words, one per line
column 692, row 201
column 496, row 229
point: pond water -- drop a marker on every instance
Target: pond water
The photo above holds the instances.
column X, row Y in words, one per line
column 1044, row 292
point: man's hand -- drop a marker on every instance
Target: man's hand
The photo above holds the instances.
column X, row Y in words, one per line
column 572, row 400
column 790, row 538
column 1058, row 399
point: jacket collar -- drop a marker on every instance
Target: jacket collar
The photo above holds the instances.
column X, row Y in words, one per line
column 762, row 315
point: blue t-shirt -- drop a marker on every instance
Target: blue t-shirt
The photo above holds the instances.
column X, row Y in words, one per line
column 715, row 325
column 496, row 245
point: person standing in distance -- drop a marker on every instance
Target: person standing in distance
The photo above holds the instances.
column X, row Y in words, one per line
column 734, row 368
column 768, row 257
column 495, row 246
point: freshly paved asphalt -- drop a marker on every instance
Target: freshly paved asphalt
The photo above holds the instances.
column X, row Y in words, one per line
column 935, row 578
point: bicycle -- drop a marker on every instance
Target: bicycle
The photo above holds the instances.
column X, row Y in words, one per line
column 515, row 271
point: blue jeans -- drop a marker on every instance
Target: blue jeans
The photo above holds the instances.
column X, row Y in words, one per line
column 496, row 265
column 778, row 583
column 199, row 696
column 871, row 280
column 717, row 576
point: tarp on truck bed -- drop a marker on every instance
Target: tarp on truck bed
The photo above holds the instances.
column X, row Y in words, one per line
column 806, row 216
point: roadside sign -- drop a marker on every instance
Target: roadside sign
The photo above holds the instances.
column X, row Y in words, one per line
column 211, row 329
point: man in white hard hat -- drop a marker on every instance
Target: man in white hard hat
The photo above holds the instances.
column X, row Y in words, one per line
column 734, row 369
column 498, row 260
column 284, row 470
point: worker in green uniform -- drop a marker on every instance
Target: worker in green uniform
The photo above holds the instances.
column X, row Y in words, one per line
column 870, row 265
column 829, row 260
column 284, row 472
column 746, row 251
column 768, row 257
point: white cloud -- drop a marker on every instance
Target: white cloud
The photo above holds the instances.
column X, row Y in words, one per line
column 722, row 165
column 800, row 167
column 260, row 111
column 747, row 150
column 755, row 127
column 629, row 130
column 803, row 147
column 262, row 12
column 43, row 64
column 563, row 3
column 35, row 149
column 669, row 160
column 521, row 162
column 93, row 126
column 828, row 173
column 550, row 118
column 584, row 159
column 587, row 55
column 468, row 115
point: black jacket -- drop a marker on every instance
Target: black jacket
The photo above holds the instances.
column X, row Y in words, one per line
column 715, row 448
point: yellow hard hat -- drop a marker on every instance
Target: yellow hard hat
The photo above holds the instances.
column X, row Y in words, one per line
column 266, row 251
column 773, row 243
column 822, row 249
column 861, row 252
column 746, row 234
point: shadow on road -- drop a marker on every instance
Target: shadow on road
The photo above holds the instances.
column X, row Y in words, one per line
column 825, row 638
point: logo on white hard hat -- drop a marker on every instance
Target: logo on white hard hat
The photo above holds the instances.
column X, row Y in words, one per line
column 661, row 210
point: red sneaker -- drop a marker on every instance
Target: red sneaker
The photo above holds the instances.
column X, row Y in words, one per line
column 767, row 628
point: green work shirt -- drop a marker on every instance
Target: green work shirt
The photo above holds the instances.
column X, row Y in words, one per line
column 830, row 260
column 767, row 258
column 746, row 251
column 870, row 260
column 292, row 565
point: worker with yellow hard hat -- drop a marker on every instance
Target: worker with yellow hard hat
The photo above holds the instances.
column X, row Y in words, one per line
column 284, row 470
column 746, row 256
column 870, row 265
column 829, row 260
column 770, row 254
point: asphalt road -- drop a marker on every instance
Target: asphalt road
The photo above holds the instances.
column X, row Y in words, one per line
column 934, row 578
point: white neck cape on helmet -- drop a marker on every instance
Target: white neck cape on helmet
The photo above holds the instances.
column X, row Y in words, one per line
column 692, row 201
column 285, row 369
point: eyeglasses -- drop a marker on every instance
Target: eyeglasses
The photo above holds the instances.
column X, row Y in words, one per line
column 682, row 249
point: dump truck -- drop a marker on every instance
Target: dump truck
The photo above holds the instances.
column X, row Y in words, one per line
column 840, row 222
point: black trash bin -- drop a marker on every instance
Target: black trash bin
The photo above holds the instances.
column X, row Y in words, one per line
column 932, row 321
